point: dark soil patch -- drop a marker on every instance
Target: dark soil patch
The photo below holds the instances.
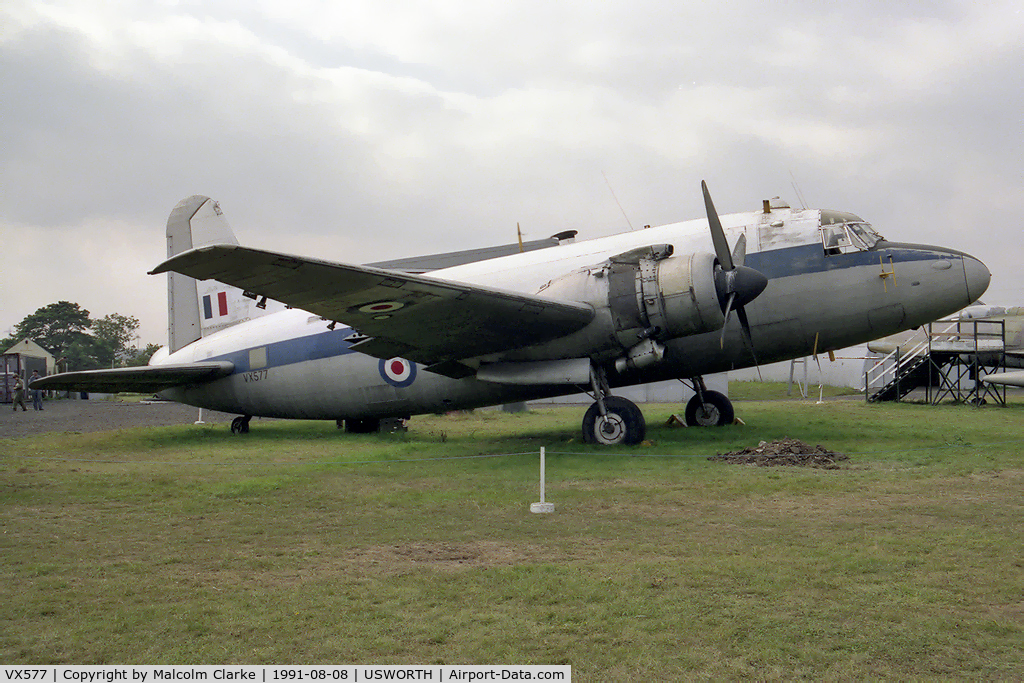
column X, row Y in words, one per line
column 784, row 452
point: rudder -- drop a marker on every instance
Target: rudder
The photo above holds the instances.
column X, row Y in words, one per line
column 198, row 308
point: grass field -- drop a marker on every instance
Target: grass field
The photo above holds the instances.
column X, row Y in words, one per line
column 299, row 543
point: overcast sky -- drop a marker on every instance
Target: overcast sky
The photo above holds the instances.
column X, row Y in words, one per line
column 362, row 131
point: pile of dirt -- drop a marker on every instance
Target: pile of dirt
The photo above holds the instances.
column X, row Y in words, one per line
column 784, row 452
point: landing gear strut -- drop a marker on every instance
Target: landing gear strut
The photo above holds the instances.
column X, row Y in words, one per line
column 708, row 408
column 612, row 420
column 240, row 425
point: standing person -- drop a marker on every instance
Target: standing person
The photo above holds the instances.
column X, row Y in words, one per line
column 19, row 393
column 37, row 394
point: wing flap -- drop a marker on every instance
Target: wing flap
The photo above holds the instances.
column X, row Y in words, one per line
column 145, row 379
column 424, row 319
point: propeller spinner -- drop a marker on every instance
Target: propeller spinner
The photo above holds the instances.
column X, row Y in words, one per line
column 736, row 283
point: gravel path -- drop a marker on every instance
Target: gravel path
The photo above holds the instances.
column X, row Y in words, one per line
column 98, row 416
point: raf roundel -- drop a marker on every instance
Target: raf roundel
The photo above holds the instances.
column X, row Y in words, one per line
column 379, row 307
column 397, row 372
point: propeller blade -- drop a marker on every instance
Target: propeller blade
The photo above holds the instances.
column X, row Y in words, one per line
column 728, row 312
column 745, row 324
column 717, row 233
column 738, row 284
column 739, row 250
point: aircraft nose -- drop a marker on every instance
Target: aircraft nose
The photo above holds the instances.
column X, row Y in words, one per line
column 978, row 277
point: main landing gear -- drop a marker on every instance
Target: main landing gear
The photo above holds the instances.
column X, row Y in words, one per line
column 240, row 425
column 612, row 420
column 708, row 408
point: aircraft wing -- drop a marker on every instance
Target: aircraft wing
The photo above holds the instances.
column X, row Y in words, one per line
column 418, row 317
column 144, row 379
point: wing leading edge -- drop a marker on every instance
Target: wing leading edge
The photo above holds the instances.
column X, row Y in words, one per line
column 145, row 379
column 420, row 318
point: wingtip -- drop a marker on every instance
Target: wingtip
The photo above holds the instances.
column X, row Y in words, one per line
column 168, row 265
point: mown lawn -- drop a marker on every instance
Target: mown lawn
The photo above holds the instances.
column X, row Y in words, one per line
column 299, row 543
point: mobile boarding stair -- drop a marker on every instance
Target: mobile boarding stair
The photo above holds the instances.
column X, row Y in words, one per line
column 946, row 358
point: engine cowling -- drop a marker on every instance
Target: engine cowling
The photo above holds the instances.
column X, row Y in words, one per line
column 642, row 297
column 662, row 295
column 679, row 295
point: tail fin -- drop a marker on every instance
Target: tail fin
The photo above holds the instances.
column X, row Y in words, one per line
column 196, row 309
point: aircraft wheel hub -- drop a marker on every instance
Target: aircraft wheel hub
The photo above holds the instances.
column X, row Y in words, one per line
column 610, row 429
column 708, row 415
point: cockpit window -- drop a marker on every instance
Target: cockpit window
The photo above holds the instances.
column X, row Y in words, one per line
column 836, row 240
column 864, row 233
column 846, row 237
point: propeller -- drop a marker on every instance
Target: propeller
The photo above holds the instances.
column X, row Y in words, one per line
column 736, row 283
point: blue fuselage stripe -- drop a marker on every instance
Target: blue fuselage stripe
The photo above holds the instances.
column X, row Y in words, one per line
column 810, row 258
column 326, row 344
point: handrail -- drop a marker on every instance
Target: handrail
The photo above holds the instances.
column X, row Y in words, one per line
column 880, row 368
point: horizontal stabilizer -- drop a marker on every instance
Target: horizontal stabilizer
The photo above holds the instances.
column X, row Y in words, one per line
column 144, row 380
column 425, row 264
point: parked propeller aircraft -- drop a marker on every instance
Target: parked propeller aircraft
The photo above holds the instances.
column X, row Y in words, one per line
column 358, row 344
column 1012, row 319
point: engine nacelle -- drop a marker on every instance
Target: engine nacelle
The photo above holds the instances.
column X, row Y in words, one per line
column 644, row 294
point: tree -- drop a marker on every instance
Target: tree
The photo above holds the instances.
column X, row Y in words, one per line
column 83, row 354
column 142, row 356
column 61, row 329
column 55, row 327
column 114, row 335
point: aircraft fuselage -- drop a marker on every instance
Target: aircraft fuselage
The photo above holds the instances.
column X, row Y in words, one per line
column 818, row 298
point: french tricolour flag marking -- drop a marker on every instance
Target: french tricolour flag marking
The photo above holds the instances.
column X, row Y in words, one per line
column 222, row 305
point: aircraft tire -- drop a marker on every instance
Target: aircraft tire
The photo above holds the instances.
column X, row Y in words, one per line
column 240, row 425
column 623, row 425
column 717, row 411
column 366, row 426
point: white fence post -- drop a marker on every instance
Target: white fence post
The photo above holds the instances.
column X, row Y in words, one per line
column 542, row 507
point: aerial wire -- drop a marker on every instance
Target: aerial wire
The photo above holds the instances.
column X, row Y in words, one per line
column 799, row 194
column 617, row 200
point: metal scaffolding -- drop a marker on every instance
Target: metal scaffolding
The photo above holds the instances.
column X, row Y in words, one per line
column 948, row 363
